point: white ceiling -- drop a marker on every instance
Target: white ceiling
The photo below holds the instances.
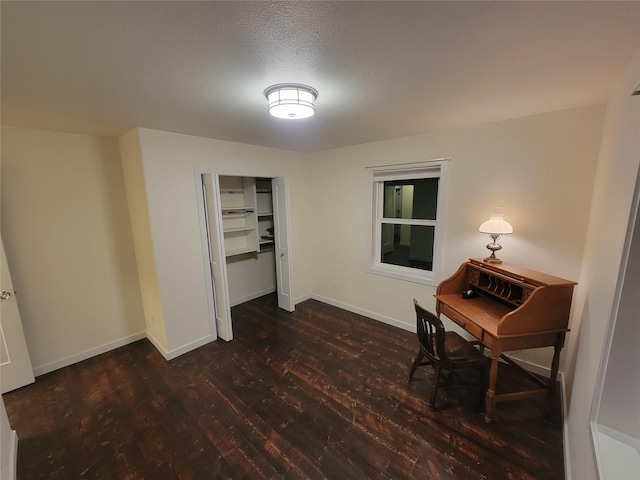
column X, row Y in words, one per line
column 382, row 69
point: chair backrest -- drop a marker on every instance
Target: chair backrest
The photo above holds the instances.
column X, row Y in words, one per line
column 431, row 335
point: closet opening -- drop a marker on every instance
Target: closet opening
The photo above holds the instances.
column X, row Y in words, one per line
column 246, row 232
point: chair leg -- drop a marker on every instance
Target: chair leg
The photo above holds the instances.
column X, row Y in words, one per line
column 436, row 383
column 416, row 364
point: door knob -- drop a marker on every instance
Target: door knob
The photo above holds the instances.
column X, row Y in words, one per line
column 281, row 254
column 5, row 295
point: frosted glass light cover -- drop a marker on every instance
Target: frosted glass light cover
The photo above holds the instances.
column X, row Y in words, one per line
column 496, row 225
column 291, row 102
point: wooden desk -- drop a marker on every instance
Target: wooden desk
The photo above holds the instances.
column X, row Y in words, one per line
column 516, row 308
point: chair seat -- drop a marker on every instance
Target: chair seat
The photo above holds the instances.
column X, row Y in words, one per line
column 445, row 350
column 461, row 351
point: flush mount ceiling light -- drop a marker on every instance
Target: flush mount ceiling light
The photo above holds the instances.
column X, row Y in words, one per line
column 291, row 101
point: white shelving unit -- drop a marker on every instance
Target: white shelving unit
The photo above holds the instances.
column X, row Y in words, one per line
column 246, row 205
column 233, row 215
column 239, row 217
column 265, row 213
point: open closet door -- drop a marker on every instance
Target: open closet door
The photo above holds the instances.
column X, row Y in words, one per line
column 15, row 363
column 282, row 242
column 216, row 257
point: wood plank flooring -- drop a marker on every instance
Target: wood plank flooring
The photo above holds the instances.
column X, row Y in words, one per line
column 320, row 393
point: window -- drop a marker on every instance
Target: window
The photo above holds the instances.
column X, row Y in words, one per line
column 407, row 220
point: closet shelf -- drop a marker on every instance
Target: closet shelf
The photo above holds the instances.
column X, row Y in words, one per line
column 238, row 229
column 246, row 210
column 239, row 251
column 237, row 210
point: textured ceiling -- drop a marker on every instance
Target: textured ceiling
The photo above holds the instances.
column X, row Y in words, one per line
column 382, row 69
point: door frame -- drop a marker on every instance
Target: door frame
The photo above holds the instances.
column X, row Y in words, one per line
column 202, row 219
column 603, row 437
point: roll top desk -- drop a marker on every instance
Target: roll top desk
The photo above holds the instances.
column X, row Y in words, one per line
column 513, row 308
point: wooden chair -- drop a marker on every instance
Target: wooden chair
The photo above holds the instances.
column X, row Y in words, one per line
column 445, row 350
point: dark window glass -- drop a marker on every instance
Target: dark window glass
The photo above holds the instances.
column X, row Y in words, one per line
column 412, row 199
column 408, row 245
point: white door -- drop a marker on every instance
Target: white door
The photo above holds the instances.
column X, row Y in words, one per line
column 217, row 258
column 15, row 364
column 282, row 241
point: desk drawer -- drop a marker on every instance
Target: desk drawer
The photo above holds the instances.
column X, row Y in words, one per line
column 470, row 327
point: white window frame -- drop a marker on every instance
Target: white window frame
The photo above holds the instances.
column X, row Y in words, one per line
column 436, row 168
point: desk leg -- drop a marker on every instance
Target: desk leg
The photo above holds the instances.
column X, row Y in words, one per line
column 554, row 373
column 490, row 398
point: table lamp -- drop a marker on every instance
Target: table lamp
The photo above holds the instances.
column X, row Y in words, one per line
column 496, row 226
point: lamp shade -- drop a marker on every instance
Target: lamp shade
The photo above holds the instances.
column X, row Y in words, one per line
column 496, row 225
column 291, row 101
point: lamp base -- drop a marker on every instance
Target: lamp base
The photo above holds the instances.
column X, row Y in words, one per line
column 492, row 259
column 494, row 247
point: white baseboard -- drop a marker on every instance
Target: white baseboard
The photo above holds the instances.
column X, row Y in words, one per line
column 176, row 352
column 565, row 427
column 365, row 313
column 252, row 296
column 158, row 345
column 13, row 456
column 65, row 362
column 532, row 367
column 302, row 298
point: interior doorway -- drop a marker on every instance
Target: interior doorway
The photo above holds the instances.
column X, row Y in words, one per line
column 245, row 228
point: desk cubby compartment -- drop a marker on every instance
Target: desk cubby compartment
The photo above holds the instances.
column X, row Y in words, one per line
column 503, row 289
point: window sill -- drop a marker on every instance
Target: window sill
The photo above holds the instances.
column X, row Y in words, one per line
column 617, row 454
column 402, row 274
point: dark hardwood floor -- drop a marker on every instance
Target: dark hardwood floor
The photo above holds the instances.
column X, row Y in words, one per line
column 320, row 393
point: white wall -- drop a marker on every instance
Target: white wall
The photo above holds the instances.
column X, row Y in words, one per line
column 612, row 197
column 136, row 193
column 251, row 276
column 65, row 226
column 539, row 169
column 169, row 163
column 8, row 447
